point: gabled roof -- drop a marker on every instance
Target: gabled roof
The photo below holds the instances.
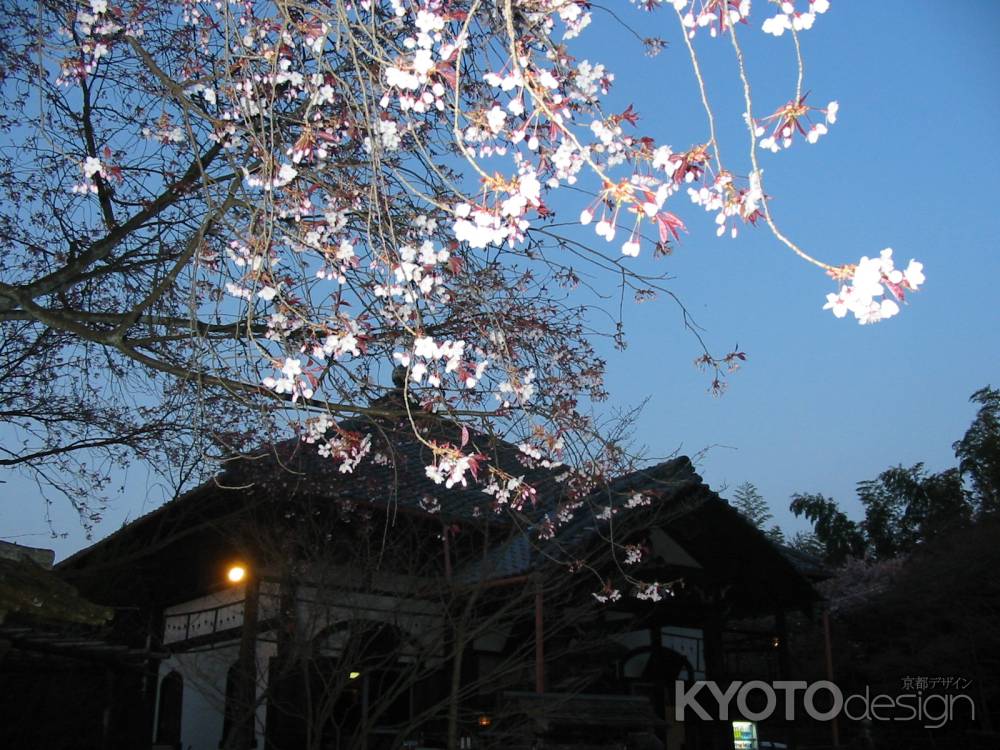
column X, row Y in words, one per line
column 393, row 478
column 674, row 484
column 732, row 549
column 808, row 565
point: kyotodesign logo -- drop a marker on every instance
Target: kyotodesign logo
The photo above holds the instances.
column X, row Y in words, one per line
column 757, row 700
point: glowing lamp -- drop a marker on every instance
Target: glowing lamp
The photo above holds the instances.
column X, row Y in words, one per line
column 236, row 573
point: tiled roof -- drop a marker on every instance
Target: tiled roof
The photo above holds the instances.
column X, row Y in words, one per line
column 676, row 486
column 396, row 476
column 30, row 590
column 397, row 479
column 808, row 565
column 697, row 518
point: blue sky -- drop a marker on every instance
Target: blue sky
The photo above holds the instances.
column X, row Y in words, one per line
column 821, row 403
column 824, row 403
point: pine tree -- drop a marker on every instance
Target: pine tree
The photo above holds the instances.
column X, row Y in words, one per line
column 752, row 505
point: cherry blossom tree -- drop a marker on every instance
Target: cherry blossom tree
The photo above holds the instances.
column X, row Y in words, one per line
column 262, row 206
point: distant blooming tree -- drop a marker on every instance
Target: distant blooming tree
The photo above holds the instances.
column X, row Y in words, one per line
column 932, row 611
column 256, row 207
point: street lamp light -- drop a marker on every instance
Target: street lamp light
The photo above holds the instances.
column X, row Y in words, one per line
column 236, row 573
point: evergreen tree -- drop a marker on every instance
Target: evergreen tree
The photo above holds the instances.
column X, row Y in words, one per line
column 753, row 507
column 775, row 534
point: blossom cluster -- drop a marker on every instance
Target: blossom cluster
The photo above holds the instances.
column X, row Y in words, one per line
column 653, row 592
column 864, row 292
column 347, row 448
column 510, row 491
column 452, row 466
column 789, row 19
column 794, row 118
column 392, row 167
column 541, row 113
column 715, row 15
column 290, row 380
column 422, row 362
column 607, row 595
column 90, row 167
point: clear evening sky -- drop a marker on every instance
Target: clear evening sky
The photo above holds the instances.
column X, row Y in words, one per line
column 821, row 404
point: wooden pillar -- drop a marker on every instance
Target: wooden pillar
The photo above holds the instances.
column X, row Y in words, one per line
column 108, row 715
column 660, row 688
column 283, row 674
column 445, row 532
column 241, row 736
column 539, row 639
column 784, row 655
column 828, row 654
column 717, row 732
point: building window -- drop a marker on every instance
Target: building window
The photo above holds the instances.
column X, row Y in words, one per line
column 168, row 722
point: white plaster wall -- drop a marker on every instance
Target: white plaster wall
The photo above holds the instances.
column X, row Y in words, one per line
column 204, row 669
column 420, row 620
column 688, row 642
column 204, row 674
column 220, row 610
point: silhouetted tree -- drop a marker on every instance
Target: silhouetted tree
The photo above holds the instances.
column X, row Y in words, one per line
column 904, row 507
column 806, row 541
column 752, row 506
column 840, row 536
column 978, row 452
